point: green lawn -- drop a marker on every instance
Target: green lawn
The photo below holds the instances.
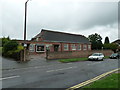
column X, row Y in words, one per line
column 106, row 57
column 73, row 60
column 110, row 81
column 0, row 50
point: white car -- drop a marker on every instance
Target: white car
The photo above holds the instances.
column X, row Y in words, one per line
column 96, row 56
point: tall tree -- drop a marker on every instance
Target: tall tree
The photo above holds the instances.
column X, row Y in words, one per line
column 106, row 40
column 107, row 43
column 96, row 41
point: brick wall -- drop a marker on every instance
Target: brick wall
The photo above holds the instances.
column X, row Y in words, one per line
column 76, row 54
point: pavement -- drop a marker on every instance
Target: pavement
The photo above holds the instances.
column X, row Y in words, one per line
column 54, row 74
column 8, row 63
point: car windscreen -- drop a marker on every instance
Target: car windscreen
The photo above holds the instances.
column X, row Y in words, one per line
column 114, row 54
column 95, row 54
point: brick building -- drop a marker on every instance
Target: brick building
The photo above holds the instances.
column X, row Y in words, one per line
column 118, row 43
column 54, row 41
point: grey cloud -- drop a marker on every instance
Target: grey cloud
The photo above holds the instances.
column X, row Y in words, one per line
column 68, row 16
column 62, row 16
column 119, row 20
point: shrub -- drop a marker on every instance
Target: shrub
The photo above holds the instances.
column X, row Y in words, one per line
column 11, row 47
column 111, row 46
column 4, row 40
column 19, row 48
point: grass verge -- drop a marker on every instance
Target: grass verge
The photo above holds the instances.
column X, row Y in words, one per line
column 110, row 81
column 73, row 60
column 106, row 57
column 0, row 50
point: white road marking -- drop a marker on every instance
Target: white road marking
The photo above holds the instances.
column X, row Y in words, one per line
column 26, row 68
column 69, row 63
column 61, row 69
column 19, row 69
column 94, row 63
column 9, row 77
column 36, row 67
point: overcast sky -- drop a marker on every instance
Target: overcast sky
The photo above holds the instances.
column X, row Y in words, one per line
column 71, row 16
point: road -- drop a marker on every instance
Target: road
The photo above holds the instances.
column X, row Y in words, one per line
column 57, row 75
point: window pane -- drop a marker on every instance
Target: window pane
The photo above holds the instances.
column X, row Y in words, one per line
column 89, row 47
column 79, row 47
column 84, row 47
column 32, row 48
column 65, row 46
column 73, row 47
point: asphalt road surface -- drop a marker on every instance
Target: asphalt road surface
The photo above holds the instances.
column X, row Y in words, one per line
column 57, row 75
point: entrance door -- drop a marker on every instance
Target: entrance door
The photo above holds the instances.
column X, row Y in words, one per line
column 56, row 47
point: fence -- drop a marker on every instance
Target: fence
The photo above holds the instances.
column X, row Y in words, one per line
column 76, row 54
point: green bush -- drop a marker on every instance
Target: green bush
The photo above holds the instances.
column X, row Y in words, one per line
column 4, row 40
column 19, row 48
column 111, row 46
column 11, row 47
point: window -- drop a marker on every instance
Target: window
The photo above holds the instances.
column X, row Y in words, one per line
column 84, row 47
column 73, row 47
column 65, row 46
column 89, row 47
column 32, row 48
column 79, row 47
column 39, row 48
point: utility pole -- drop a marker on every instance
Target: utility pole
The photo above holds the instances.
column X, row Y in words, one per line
column 25, row 30
column 25, row 20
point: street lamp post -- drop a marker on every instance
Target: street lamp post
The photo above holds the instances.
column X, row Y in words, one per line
column 25, row 29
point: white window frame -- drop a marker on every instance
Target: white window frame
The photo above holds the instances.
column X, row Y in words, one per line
column 89, row 47
column 84, row 47
column 73, row 47
column 79, row 47
column 32, row 48
column 39, row 46
column 65, row 46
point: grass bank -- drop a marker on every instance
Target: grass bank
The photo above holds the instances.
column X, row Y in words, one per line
column 73, row 60
column 110, row 81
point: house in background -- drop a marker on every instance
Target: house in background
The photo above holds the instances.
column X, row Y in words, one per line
column 54, row 41
column 118, row 43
